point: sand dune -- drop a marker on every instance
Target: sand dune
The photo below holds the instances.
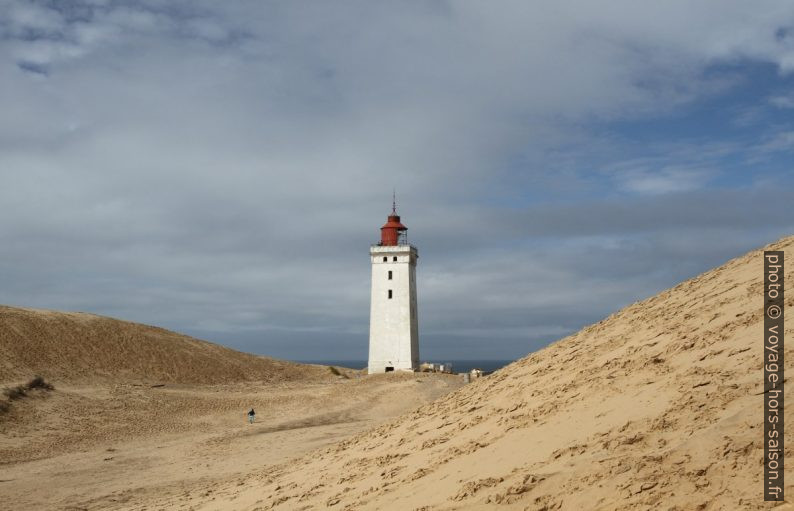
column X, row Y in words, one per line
column 83, row 347
column 656, row 407
column 113, row 446
column 141, row 413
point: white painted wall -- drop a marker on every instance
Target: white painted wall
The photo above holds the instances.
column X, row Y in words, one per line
column 393, row 324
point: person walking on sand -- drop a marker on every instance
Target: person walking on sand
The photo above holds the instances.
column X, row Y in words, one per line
column 251, row 416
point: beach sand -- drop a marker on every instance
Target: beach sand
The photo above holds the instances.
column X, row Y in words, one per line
column 658, row 406
column 114, row 446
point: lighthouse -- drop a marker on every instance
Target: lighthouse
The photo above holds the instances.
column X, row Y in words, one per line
column 393, row 325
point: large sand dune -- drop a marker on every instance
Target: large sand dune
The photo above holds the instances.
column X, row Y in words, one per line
column 140, row 413
column 110, row 446
column 658, row 406
column 75, row 346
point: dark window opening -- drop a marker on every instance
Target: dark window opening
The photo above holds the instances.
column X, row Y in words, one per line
column 389, row 294
column 389, row 369
column 394, row 258
column 385, row 259
column 389, row 274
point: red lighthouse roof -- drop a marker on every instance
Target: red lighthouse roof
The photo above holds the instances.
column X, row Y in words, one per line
column 392, row 229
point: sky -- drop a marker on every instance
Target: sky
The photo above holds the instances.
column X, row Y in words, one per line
column 222, row 168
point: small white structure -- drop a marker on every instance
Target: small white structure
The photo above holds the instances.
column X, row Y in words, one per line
column 435, row 367
column 393, row 324
column 445, row 368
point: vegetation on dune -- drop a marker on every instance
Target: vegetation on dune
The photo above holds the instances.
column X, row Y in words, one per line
column 21, row 391
column 337, row 372
column 39, row 383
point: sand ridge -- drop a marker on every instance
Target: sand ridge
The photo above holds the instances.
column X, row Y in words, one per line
column 656, row 407
column 80, row 347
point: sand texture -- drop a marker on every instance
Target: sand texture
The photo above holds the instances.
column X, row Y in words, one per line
column 80, row 347
column 658, row 406
column 114, row 446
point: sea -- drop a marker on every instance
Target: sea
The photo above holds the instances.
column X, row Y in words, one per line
column 458, row 366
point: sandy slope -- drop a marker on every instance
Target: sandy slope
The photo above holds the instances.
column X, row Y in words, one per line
column 72, row 346
column 656, row 407
column 108, row 446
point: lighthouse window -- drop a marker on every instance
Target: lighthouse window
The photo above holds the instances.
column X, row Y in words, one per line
column 389, row 294
column 389, row 274
column 394, row 259
column 385, row 259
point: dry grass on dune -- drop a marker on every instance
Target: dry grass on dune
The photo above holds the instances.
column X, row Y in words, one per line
column 83, row 347
column 656, row 407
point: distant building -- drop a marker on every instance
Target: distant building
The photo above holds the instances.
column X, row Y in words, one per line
column 432, row 367
column 476, row 373
column 445, row 367
column 393, row 324
column 427, row 367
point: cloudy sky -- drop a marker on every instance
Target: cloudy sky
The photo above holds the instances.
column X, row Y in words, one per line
column 221, row 168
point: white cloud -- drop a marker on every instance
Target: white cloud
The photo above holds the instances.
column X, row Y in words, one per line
column 783, row 101
column 669, row 179
column 226, row 164
column 781, row 141
column 21, row 17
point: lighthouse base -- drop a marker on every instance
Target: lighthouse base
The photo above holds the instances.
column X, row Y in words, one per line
column 388, row 367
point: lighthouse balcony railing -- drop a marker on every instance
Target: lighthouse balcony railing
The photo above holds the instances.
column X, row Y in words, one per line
column 379, row 244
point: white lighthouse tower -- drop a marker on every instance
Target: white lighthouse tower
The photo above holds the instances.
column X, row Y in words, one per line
column 393, row 326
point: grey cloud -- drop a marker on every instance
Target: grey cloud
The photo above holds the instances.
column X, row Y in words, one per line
column 221, row 168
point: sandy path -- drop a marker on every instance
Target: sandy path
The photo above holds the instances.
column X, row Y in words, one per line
column 108, row 448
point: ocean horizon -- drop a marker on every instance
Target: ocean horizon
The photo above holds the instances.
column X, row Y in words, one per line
column 458, row 366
